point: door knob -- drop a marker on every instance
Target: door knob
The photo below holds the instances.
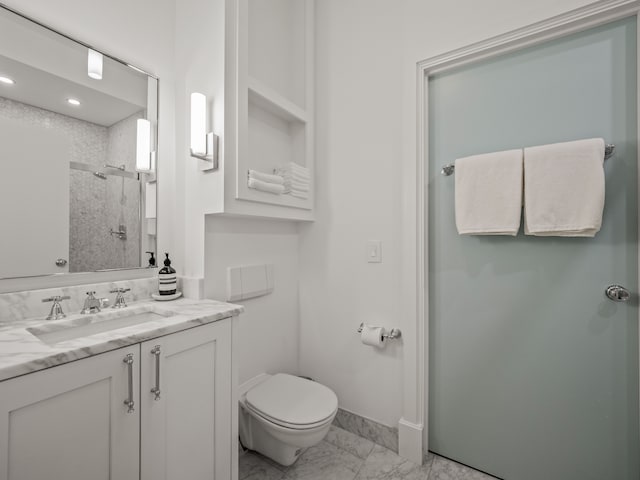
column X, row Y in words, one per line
column 617, row 293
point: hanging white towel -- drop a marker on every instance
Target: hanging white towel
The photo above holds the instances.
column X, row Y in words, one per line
column 265, row 186
column 564, row 188
column 488, row 193
column 266, row 177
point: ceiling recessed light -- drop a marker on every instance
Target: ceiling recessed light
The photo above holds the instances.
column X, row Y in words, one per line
column 73, row 102
column 7, row 80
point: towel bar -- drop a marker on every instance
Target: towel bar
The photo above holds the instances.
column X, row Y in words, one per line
column 450, row 168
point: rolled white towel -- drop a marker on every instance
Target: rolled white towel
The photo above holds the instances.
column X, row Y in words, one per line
column 265, row 186
column 564, row 188
column 266, row 177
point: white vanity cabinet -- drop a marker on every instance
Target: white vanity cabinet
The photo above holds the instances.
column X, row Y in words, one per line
column 186, row 424
column 70, row 421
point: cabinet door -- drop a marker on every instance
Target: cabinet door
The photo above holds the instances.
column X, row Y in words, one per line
column 70, row 422
column 186, row 429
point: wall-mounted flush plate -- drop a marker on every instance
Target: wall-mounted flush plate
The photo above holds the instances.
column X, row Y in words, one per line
column 374, row 251
column 249, row 281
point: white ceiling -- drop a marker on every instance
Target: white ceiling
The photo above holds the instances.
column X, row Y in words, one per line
column 44, row 90
column 49, row 68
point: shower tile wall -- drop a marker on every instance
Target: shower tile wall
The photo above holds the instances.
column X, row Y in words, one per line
column 98, row 205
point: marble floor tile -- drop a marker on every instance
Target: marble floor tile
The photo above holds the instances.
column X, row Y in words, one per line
column 355, row 445
column 253, row 466
column 444, row 469
column 324, row 462
column 383, row 464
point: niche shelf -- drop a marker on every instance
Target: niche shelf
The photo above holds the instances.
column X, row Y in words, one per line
column 265, row 97
column 271, row 103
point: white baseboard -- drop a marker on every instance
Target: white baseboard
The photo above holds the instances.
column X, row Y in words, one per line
column 410, row 441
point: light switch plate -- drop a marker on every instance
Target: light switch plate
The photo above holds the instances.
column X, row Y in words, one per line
column 374, row 251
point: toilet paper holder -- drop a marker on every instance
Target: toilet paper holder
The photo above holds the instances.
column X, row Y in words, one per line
column 391, row 335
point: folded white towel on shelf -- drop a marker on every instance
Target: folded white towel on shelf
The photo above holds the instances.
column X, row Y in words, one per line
column 297, row 194
column 303, row 187
column 265, row 186
column 564, row 188
column 488, row 193
column 293, row 176
column 294, row 169
column 266, row 177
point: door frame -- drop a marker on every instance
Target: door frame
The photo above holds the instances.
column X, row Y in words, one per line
column 413, row 427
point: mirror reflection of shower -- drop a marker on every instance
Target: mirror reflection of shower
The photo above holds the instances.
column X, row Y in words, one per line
column 106, row 228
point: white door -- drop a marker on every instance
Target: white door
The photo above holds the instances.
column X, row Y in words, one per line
column 186, row 426
column 34, row 195
column 70, row 422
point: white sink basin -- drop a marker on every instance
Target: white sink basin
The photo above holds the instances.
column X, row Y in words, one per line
column 86, row 325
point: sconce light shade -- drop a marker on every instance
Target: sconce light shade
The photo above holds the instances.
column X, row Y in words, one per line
column 198, row 123
column 143, row 150
column 94, row 65
column 204, row 146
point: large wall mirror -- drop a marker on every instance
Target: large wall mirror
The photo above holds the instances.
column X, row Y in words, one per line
column 77, row 155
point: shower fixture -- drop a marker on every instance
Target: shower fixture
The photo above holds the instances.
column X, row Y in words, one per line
column 100, row 175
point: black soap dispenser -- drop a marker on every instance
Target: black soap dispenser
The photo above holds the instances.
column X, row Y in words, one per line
column 152, row 260
column 167, row 278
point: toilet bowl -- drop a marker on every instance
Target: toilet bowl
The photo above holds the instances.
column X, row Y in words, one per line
column 280, row 415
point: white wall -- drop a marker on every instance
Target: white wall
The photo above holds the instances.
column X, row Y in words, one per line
column 367, row 53
column 268, row 329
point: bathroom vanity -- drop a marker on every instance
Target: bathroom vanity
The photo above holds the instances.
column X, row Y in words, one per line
column 151, row 400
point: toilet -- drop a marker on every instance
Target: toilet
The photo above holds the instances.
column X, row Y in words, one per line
column 281, row 415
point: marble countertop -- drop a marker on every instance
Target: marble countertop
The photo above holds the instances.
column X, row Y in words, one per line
column 22, row 352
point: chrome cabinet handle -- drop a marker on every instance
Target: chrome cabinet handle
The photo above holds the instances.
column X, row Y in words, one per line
column 617, row 293
column 129, row 401
column 156, row 390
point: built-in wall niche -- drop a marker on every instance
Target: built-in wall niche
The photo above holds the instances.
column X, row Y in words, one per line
column 275, row 103
column 277, row 47
column 277, row 131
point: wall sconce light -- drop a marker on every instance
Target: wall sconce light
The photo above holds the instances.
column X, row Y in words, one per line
column 94, row 65
column 204, row 145
column 145, row 158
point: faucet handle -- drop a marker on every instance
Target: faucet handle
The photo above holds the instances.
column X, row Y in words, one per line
column 120, row 290
column 56, row 298
column 91, row 294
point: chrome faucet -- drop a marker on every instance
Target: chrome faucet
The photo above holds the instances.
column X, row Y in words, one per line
column 91, row 304
column 119, row 301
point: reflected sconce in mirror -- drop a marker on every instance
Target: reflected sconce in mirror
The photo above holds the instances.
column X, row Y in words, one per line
column 94, row 65
column 145, row 157
column 204, row 145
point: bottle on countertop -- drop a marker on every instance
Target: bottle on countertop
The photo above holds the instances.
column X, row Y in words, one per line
column 167, row 278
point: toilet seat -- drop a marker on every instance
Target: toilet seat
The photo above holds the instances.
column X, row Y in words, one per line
column 292, row 402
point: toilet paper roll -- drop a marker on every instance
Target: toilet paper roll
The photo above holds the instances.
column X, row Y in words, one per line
column 372, row 336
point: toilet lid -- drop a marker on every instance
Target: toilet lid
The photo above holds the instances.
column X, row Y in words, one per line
column 292, row 400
